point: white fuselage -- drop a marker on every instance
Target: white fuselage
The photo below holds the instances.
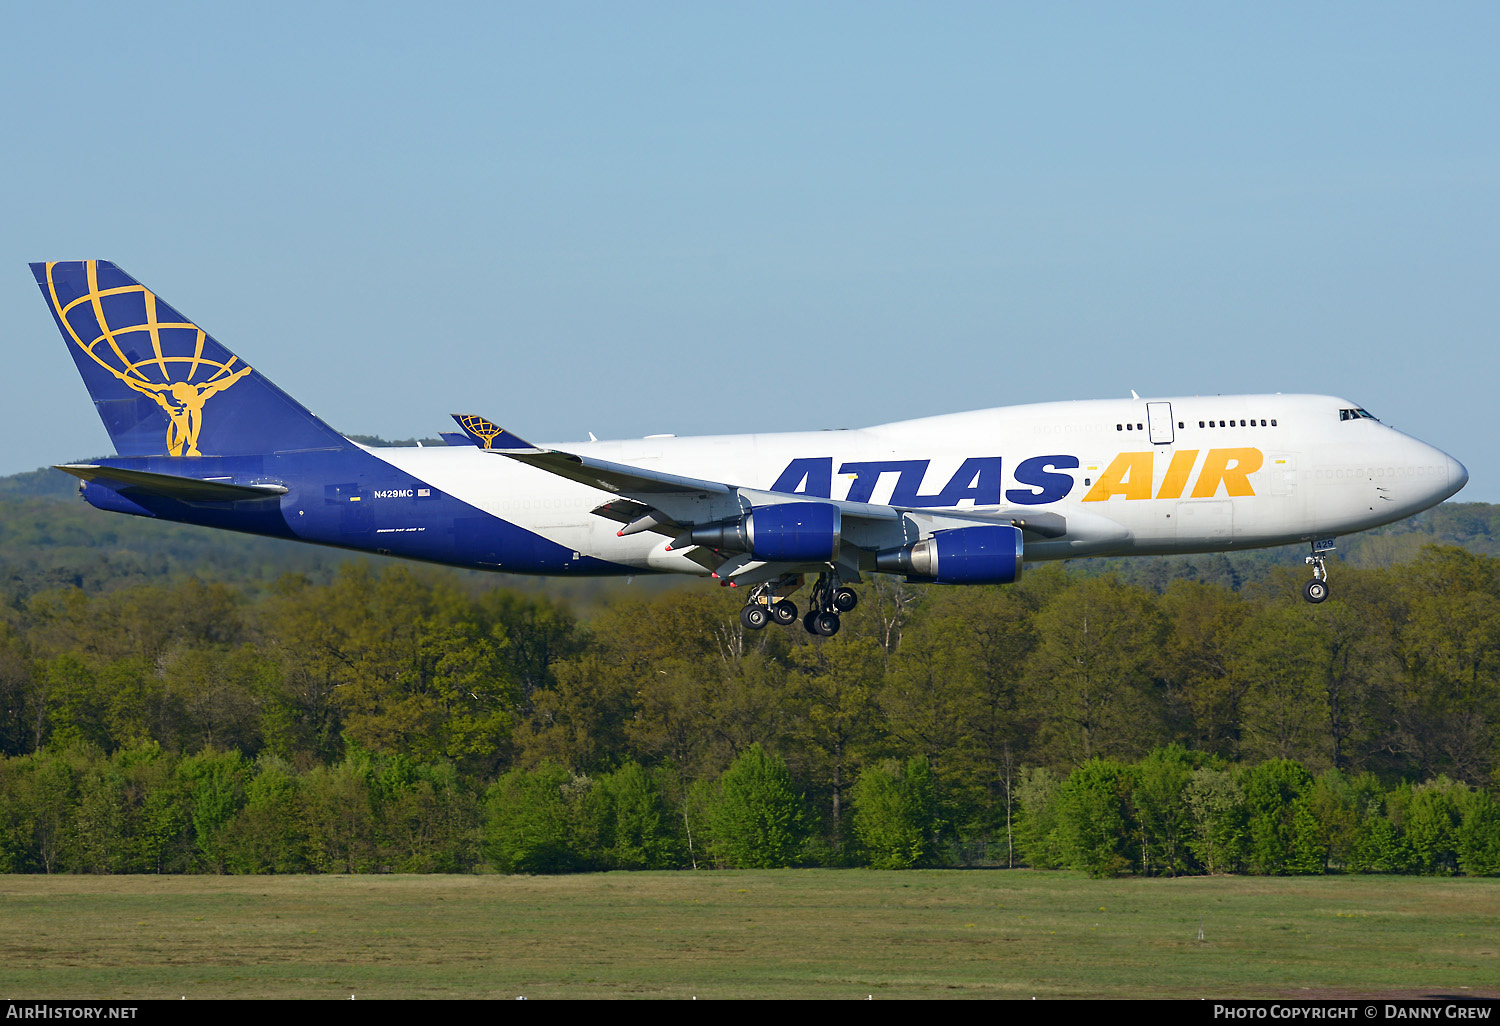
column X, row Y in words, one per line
column 1131, row 477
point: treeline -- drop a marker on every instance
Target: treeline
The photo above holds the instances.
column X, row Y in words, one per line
column 1398, row 675
column 1393, row 682
column 143, row 810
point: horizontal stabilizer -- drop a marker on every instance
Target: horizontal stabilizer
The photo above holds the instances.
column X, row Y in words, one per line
column 185, row 489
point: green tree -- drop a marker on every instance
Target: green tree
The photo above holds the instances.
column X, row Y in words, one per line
column 1280, row 659
column 217, row 690
column 428, row 819
column 960, row 671
column 16, row 690
column 1479, row 836
column 704, row 691
column 422, row 676
column 580, row 721
column 1359, row 668
column 338, row 809
column 1383, row 846
column 1341, row 806
column 1158, row 799
column 529, row 826
column 638, row 829
column 834, row 693
column 1450, row 644
column 1272, row 792
column 304, row 632
column 1308, row 854
column 1219, row 818
column 268, row 833
column 539, row 634
column 896, row 815
column 1093, row 823
column 161, row 838
column 1091, row 676
column 75, row 708
column 755, row 820
column 46, row 809
column 139, row 709
column 100, row 817
column 929, row 703
column 216, row 790
column 1036, row 826
column 1205, row 695
column 1432, row 812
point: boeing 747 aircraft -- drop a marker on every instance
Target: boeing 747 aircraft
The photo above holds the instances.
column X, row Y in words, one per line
column 964, row 498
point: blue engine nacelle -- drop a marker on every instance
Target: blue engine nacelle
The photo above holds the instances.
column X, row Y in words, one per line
column 792, row 532
column 964, row 555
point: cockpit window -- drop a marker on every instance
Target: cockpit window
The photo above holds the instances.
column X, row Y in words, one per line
column 1357, row 415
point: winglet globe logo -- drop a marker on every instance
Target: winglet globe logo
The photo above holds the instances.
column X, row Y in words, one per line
column 485, row 430
column 117, row 326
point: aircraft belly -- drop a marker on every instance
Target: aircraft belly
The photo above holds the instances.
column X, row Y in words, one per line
column 1209, row 521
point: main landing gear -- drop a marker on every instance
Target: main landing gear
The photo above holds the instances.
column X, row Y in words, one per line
column 829, row 598
column 764, row 607
column 1316, row 590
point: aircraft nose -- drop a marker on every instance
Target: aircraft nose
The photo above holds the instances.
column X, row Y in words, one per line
column 1458, row 475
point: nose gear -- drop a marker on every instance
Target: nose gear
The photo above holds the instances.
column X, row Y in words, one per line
column 1316, row 590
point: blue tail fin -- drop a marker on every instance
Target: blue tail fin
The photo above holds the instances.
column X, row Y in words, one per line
column 162, row 385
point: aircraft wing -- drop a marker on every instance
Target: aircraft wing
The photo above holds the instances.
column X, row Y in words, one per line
column 601, row 474
column 673, row 505
column 614, row 477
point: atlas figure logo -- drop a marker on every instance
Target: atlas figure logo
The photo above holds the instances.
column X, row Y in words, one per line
column 1040, row 479
column 178, row 375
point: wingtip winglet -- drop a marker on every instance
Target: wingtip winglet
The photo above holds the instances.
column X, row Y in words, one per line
column 486, row 434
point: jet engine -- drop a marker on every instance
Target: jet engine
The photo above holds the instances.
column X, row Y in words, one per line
column 791, row 532
column 982, row 554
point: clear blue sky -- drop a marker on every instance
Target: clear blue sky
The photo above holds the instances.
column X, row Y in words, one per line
column 634, row 218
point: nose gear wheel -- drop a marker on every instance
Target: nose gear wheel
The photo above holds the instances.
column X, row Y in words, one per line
column 1316, row 590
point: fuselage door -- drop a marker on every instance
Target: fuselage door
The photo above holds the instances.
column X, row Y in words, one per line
column 1159, row 423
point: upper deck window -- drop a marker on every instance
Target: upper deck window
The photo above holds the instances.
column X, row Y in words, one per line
column 1261, row 422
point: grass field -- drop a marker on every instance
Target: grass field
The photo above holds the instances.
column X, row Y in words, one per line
column 791, row 933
